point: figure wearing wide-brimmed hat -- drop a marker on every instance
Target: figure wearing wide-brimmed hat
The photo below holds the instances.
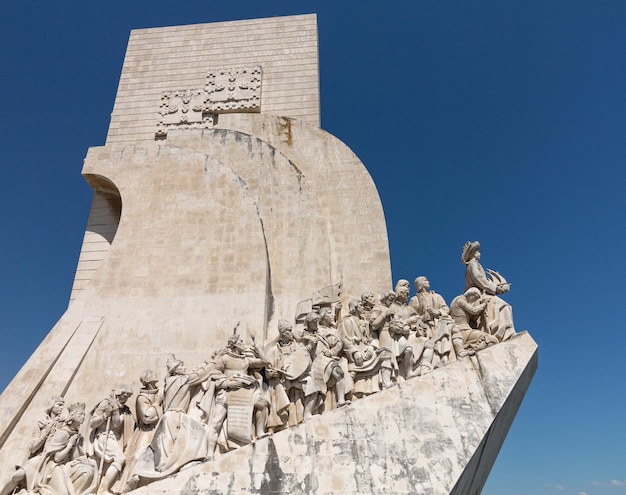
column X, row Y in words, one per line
column 490, row 283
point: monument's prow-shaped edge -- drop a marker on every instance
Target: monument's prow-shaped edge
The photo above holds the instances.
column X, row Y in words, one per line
column 220, row 204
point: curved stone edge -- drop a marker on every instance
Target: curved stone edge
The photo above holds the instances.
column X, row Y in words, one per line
column 342, row 184
column 437, row 434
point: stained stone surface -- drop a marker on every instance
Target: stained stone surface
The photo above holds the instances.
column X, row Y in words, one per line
column 433, row 435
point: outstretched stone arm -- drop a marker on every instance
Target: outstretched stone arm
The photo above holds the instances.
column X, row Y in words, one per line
column 261, row 358
column 201, row 373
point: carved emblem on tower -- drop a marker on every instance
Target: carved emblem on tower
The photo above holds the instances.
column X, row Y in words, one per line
column 234, row 90
column 183, row 109
column 228, row 90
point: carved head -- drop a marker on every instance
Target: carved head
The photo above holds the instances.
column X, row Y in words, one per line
column 355, row 307
column 55, row 406
column 235, row 343
column 173, row 365
column 77, row 413
column 472, row 294
column 123, row 393
column 147, row 377
column 396, row 324
column 470, row 252
column 367, row 300
column 326, row 316
column 403, row 289
column 421, row 284
column 311, row 321
column 387, row 297
column 285, row 329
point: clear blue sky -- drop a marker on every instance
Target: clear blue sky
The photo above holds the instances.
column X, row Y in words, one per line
column 498, row 121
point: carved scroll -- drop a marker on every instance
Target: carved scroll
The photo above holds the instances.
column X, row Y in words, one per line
column 240, row 409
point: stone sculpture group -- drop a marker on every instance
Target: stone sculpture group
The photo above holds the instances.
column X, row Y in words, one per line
column 247, row 391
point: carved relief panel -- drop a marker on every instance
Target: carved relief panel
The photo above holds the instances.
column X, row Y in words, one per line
column 184, row 109
column 227, row 91
column 234, row 90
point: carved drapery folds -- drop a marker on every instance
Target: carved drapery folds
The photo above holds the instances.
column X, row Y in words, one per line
column 227, row 90
column 248, row 390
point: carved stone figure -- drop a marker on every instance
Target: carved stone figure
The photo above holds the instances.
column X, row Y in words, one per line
column 368, row 302
column 327, row 328
column 47, row 425
column 27, row 475
column 393, row 334
column 499, row 315
column 369, row 366
column 326, row 372
column 435, row 313
column 326, row 323
column 466, row 310
column 307, row 376
column 419, row 338
column 290, row 362
column 178, row 438
column 239, row 402
column 111, row 425
column 148, row 412
column 68, row 471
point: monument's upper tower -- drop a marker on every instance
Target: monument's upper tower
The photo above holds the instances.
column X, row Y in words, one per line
column 186, row 58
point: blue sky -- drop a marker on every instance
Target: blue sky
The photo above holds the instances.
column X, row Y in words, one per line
column 498, row 121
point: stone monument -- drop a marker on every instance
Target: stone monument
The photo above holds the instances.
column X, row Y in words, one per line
column 229, row 232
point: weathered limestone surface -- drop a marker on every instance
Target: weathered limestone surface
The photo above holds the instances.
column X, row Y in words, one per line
column 433, row 435
column 320, row 165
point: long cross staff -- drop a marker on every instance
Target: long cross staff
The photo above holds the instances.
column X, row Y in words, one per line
column 104, row 453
